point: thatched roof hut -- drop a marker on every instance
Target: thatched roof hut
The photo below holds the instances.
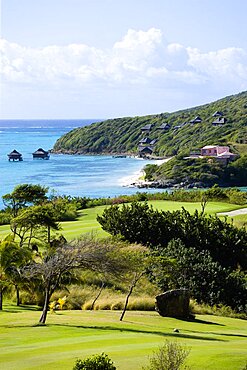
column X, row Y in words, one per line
column 41, row 154
column 15, row 156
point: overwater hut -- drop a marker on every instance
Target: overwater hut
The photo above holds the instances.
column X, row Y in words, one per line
column 15, row 156
column 41, row 154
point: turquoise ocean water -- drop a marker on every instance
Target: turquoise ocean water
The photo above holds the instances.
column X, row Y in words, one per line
column 92, row 176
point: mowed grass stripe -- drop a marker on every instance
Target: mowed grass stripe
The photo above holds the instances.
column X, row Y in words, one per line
column 215, row 342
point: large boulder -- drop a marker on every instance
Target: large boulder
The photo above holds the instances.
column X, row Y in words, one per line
column 174, row 303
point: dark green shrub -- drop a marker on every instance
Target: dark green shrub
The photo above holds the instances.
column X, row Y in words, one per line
column 171, row 356
column 95, row 362
column 5, row 218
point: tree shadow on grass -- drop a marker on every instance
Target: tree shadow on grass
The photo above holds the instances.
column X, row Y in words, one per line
column 223, row 334
column 21, row 308
column 199, row 321
column 153, row 332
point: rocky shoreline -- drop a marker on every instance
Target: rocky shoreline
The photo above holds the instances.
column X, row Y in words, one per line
column 139, row 183
column 165, row 184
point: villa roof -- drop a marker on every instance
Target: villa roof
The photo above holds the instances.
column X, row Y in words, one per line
column 145, row 140
column 146, row 148
column 148, row 127
column 197, row 119
column 209, row 146
column 164, row 126
column 219, row 121
column 153, row 142
column 226, row 154
column 217, row 114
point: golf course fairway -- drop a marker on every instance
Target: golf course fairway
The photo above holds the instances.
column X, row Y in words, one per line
column 215, row 343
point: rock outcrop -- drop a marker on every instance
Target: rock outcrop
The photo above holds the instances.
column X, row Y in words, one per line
column 174, row 303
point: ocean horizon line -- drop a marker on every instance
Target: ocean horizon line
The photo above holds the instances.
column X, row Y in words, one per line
column 49, row 119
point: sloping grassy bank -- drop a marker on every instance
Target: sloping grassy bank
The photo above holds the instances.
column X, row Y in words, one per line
column 215, row 342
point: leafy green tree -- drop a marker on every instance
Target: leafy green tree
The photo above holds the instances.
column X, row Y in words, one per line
column 35, row 222
column 237, row 170
column 139, row 223
column 24, row 195
column 209, row 250
column 64, row 209
column 197, row 272
column 207, row 280
column 13, row 258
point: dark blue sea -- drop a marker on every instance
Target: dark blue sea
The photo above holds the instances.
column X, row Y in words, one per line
column 91, row 176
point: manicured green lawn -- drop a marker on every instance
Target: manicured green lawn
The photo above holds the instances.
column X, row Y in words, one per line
column 211, row 207
column 216, row 342
column 87, row 220
column 239, row 221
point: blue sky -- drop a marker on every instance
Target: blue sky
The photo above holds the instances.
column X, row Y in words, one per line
column 112, row 58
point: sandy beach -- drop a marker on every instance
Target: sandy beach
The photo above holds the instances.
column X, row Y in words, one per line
column 138, row 177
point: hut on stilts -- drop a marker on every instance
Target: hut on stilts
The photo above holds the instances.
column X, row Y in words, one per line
column 15, row 156
column 41, row 154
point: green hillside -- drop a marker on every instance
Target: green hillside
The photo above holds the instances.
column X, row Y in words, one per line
column 122, row 135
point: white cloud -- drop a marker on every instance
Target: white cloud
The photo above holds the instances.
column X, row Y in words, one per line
column 228, row 64
column 140, row 58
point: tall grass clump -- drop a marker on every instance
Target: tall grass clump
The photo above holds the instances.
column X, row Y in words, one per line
column 217, row 310
column 112, row 302
column 76, row 296
column 141, row 304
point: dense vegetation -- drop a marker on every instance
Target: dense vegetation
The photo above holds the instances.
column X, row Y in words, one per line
column 121, row 135
column 200, row 172
column 65, row 208
column 210, row 254
column 203, row 253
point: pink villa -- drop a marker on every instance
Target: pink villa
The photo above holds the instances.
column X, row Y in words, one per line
column 220, row 152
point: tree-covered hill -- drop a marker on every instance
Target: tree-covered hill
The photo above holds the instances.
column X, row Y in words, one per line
column 203, row 171
column 122, row 135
